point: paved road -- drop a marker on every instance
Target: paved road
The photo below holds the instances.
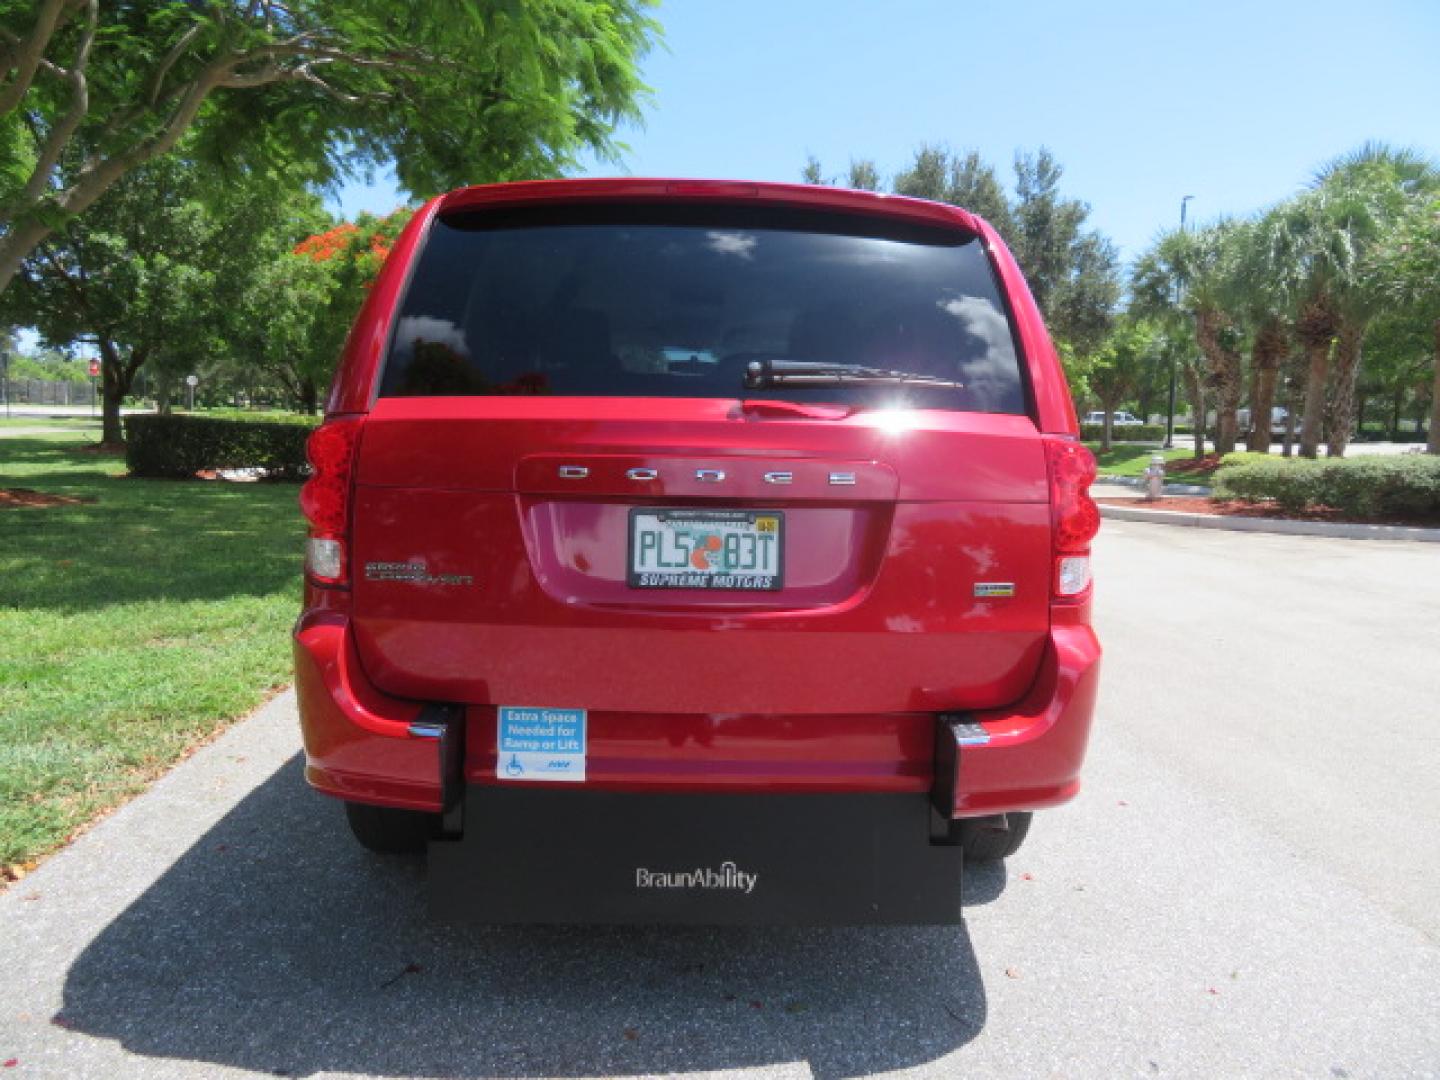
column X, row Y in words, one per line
column 1250, row 885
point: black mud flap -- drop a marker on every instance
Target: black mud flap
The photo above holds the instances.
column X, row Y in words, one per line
column 532, row 855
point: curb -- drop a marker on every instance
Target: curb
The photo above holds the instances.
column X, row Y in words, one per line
column 1344, row 531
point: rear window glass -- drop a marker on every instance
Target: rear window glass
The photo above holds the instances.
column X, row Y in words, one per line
column 682, row 301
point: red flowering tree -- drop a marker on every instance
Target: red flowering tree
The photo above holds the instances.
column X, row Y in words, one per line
column 298, row 311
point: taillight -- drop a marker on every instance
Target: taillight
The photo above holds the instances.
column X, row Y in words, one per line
column 1074, row 517
column 325, row 498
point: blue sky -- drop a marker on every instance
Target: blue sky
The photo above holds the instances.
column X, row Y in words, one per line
column 1142, row 102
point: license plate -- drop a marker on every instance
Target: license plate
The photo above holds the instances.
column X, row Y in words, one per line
column 706, row 549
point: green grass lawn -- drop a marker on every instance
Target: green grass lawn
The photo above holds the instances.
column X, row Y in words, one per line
column 1127, row 459
column 1131, row 460
column 133, row 625
column 48, row 420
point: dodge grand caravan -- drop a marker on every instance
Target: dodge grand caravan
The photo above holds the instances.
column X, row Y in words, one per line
column 697, row 551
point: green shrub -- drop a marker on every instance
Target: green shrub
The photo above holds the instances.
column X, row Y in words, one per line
column 1400, row 485
column 254, row 416
column 1142, row 433
column 184, row 445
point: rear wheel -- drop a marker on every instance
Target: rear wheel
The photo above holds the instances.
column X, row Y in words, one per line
column 985, row 841
column 390, row 831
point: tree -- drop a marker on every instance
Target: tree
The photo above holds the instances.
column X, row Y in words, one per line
column 1399, row 366
column 863, row 175
column 1405, row 269
column 48, row 364
column 1309, row 252
column 1318, row 253
column 1369, row 190
column 451, row 91
column 968, row 181
column 323, row 282
column 1253, row 294
column 1046, row 226
column 1191, row 272
column 928, row 176
column 1118, row 366
column 1073, row 273
column 146, row 279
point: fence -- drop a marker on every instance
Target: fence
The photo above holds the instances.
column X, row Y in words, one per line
column 47, row 392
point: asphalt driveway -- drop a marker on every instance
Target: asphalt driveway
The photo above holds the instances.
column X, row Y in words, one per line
column 1248, row 886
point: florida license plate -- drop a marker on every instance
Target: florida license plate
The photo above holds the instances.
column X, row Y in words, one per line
column 706, row 549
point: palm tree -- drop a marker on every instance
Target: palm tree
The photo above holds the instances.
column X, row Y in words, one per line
column 1254, row 295
column 1357, row 200
column 1192, row 273
column 1313, row 250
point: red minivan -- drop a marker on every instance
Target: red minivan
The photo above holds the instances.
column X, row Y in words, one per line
column 692, row 551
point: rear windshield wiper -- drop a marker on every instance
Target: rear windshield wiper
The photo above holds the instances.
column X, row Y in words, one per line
column 763, row 374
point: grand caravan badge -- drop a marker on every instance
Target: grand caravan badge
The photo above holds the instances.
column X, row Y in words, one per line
column 416, row 572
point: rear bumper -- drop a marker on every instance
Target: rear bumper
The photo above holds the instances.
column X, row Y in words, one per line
column 359, row 744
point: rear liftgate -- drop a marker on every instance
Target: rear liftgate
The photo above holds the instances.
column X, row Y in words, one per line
column 556, row 854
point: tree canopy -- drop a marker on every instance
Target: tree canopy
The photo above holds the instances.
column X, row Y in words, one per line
column 1074, row 272
column 449, row 91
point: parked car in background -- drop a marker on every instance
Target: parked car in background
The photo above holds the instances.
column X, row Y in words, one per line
column 1121, row 419
column 1278, row 417
column 689, row 551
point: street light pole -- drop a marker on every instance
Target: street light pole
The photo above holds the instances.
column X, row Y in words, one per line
column 1170, row 409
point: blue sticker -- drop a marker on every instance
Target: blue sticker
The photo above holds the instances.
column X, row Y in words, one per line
column 540, row 744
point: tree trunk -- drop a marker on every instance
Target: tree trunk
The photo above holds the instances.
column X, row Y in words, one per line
column 1227, row 405
column 1317, row 361
column 1340, row 420
column 1432, row 445
column 309, row 397
column 1292, row 368
column 1316, row 329
column 1195, row 391
column 117, row 375
column 1223, row 375
column 162, row 397
column 1265, row 359
column 115, row 384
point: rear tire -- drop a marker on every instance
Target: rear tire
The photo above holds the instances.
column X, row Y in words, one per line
column 984, row 844
column 388, row 830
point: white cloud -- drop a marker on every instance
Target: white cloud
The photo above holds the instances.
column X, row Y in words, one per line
column 436, row 331
column 741, row 245
column 990, row 373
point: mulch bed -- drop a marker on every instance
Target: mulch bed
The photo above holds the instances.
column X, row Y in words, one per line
column 1198, row 504
column 109, row 449
column 1193, row 469
column 27, row 497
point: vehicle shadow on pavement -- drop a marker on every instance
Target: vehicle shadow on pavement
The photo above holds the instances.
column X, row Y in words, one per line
column 276, row 944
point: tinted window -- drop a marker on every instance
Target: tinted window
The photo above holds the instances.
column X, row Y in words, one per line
column 676, row 302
